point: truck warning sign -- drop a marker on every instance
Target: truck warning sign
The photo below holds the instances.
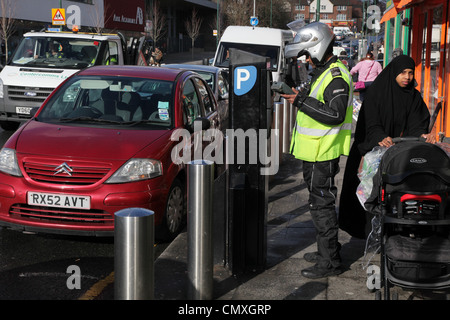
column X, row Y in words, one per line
column 58, row 16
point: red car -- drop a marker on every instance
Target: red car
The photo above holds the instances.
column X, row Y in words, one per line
column 100, row 143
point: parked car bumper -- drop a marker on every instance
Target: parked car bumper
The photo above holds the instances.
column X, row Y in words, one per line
column 17, row 214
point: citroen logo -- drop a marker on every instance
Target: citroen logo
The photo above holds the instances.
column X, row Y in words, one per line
column 63, row 168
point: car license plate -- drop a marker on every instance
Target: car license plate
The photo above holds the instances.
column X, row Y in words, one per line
column 59, row 200
column 23, row 110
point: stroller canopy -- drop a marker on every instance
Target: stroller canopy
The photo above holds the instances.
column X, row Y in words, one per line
column 412, row 157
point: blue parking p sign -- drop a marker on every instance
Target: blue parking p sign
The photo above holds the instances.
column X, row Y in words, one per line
column 254, row 21
column 245, row 79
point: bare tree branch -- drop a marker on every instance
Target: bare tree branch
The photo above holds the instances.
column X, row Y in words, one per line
column 193, row 28
column 158, row 21
column 7, row 23
column 98, row 19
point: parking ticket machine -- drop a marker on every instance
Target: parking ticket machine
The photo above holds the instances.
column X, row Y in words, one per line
column 250, row 122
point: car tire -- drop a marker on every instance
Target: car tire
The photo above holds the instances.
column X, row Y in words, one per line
column 174, row 218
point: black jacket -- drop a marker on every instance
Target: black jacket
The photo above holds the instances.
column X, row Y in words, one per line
column 333, row 111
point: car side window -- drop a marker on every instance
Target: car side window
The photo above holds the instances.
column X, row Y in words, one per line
column 205, row 96
column 190, row 101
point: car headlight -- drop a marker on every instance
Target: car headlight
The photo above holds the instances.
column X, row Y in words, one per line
column 8, row 162
column 137, row 169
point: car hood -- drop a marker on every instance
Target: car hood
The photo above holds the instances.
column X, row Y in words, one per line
column 39, row 138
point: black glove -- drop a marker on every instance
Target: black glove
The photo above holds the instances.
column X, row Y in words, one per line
column 303, row 92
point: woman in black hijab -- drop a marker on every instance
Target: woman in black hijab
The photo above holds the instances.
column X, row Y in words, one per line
column 392, row 108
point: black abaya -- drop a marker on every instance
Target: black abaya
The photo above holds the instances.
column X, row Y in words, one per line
column 387, row 110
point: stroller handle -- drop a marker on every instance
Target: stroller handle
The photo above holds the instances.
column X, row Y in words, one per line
column 403, row 139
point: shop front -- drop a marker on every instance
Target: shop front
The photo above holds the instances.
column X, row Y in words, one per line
column 420, row 29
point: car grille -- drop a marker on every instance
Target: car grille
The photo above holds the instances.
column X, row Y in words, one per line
column 83, row 174
column 64, row 215
column 19, row 93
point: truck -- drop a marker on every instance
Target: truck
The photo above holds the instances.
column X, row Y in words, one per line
column 344, row 30
column 267, row 42
column 44, row 59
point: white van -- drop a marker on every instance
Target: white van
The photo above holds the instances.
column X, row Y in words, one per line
column 344, row 30
column 268, row 42
column 42, row 61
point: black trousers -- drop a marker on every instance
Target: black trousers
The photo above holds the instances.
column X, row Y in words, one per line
column 320, row 179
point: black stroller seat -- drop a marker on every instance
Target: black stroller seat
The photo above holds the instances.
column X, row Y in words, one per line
column 415, row 181
column 412, row 191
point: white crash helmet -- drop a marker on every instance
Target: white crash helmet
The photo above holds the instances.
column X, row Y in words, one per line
column 314, row 39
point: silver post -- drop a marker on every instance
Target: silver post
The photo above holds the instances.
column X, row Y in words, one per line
column 293, row 113
column 278, row 124
column 286, row 125
column 133, row 254
column 200, row 247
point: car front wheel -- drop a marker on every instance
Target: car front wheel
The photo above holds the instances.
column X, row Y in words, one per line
column 175, row 213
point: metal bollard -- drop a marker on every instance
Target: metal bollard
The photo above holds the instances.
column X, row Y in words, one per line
column 278, row 124
column 293, row 113
column 133, row 254
column 200, row 247
column 286, row 126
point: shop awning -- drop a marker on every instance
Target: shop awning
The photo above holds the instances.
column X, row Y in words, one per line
column 395, row 7
column 403, row 3
column 388, row 15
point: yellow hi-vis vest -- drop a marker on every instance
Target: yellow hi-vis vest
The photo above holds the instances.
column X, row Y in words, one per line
column 314, row 141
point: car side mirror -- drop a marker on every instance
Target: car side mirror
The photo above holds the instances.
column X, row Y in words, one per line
column 202, row 123
column 223, row 96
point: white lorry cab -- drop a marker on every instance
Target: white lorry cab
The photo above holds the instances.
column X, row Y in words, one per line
column 42, row 61
column 344, row 30
column 268, row 42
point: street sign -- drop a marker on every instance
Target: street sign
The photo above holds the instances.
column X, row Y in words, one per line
column 58, row 16
column 254, row 21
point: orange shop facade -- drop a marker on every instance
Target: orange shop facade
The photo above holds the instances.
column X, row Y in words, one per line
column 421, row 29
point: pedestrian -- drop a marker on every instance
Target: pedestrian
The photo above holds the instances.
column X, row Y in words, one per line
column 397, row 52
column 292, row 76
column 156, row 57
column 368, row 69
column 322, row 133
column 370, row 48
column 380, row 55
column 346, row 59
column 392, row 108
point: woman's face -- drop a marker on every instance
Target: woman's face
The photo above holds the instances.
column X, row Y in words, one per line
column 405, row 77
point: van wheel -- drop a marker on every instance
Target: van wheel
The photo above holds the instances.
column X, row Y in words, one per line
column 174, row 218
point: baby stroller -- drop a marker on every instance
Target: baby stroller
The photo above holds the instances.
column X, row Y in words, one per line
column 412, row 188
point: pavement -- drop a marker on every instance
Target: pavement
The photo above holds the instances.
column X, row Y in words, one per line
column 290, row 234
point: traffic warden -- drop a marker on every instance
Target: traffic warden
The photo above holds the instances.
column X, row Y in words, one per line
column 321, row 135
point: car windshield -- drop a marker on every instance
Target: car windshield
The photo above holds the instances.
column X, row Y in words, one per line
column 56, row 52
column 112, row 101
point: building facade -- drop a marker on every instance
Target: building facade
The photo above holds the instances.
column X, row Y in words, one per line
column 128, row 17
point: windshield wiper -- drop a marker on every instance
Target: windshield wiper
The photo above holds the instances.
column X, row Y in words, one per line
column 132, row 123
column 89, row 119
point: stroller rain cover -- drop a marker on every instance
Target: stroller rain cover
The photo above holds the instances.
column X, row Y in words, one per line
column 413, row 160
